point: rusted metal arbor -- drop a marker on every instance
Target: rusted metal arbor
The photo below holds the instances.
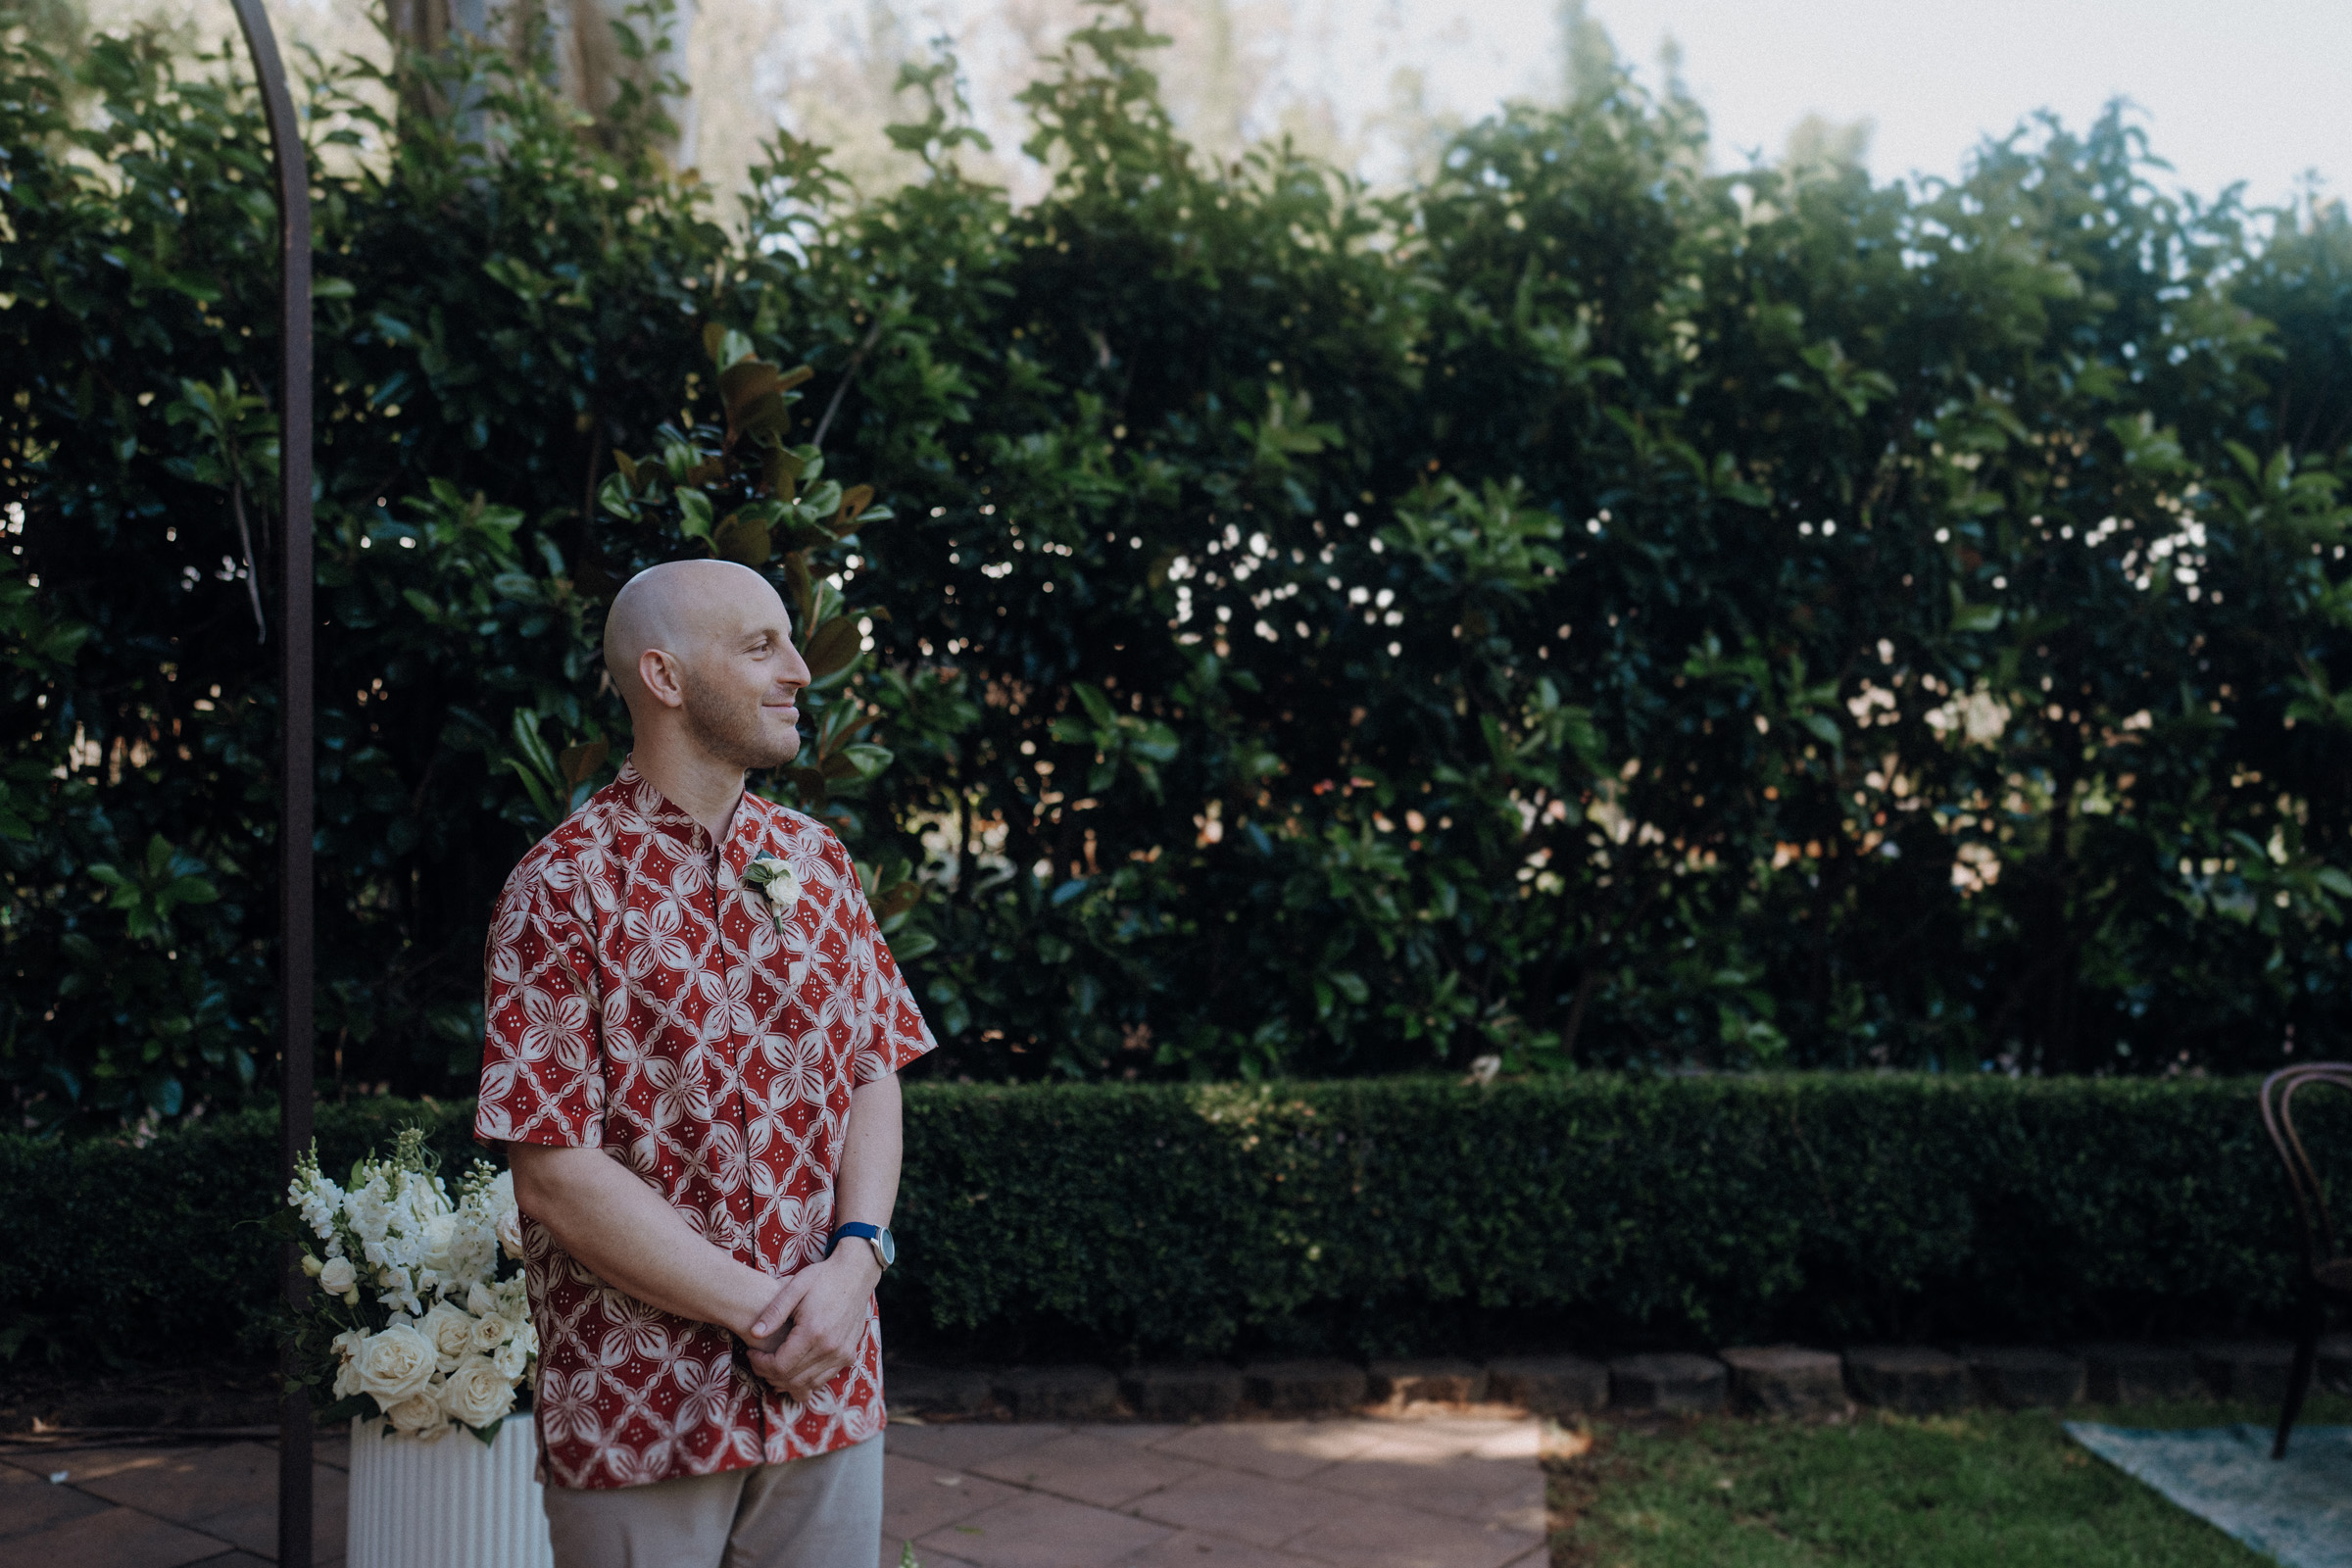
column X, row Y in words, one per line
column 296, row 622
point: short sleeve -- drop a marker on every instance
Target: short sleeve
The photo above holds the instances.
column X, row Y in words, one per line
column 542, row 1067
column 891, row 1032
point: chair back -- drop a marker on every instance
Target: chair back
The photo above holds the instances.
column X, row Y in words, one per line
column 2279, row 1090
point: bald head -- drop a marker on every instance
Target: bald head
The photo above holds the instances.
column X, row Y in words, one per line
column 673, row 607
column 704, row 649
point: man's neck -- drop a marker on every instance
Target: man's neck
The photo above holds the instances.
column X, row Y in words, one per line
column 704, row 788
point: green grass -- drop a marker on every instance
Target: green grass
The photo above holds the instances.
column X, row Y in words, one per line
column 1960, row 1491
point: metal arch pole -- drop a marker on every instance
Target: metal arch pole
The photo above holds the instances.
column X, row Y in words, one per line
column 296, row 620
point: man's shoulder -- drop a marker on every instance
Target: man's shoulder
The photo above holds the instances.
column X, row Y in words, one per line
column 796, row 832
column 579, row 842
column 815, row 852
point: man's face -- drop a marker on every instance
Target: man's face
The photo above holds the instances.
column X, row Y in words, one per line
column 743, row 678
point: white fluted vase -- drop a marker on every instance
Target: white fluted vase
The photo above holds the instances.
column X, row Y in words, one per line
column 452, row 1503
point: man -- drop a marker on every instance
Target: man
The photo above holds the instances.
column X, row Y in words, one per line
column 693, row 1070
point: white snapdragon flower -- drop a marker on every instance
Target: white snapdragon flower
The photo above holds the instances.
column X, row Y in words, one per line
column 319, row 1201
column 436, row 1236
column 398, row 1291
column 472, row 1249
column 347, row 1368
column 368, row 1212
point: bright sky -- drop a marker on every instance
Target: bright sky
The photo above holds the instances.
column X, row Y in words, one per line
column 2252, row 90
column 2258, row 90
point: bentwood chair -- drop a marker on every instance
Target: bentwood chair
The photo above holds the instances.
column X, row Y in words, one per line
column 2326, row 1265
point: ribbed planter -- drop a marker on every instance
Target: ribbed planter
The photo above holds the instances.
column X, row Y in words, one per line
column 452, row 1503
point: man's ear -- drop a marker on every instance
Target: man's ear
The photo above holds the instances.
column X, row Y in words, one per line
column 662, row 677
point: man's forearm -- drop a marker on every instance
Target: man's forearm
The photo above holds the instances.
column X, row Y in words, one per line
column 826, row 1305
column 865, row 1184
column 628, row 1236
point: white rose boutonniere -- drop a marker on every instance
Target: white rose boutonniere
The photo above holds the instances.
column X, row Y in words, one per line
column 773, row 880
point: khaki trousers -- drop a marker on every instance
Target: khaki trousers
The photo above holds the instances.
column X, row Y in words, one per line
column 822, row 1512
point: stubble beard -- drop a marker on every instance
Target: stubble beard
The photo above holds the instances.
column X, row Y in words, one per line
column 736, row 737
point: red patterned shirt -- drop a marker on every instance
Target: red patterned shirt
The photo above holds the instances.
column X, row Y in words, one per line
column 641, row 1001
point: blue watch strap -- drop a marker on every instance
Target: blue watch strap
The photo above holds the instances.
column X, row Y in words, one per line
column 858, row 1228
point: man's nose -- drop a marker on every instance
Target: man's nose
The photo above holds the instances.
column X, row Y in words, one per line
column 796, row 668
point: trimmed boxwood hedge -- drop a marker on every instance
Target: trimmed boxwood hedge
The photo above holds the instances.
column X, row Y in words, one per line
column 1375, row 1216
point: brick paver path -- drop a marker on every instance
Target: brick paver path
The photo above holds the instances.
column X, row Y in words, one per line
column 1439, row 1492
column 1443, row 1491
column 158, row 1507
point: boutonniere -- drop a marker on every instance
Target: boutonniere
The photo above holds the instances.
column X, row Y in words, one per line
column 772, row 880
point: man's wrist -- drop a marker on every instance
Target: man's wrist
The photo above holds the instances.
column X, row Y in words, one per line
column 757, row 1291
column 859, row 1260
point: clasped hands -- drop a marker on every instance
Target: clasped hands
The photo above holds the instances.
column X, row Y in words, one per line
column 815, row 1323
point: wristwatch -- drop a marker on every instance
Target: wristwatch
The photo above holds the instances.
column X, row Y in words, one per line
column 885, row 1246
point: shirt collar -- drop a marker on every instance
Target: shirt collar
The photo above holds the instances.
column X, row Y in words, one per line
column 744, row 834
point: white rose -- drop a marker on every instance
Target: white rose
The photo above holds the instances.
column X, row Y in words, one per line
column 337, row 1276
column 509, row 1231
column 514, row 1358
column 420, row 1415
column 395, row 1364
column 451, row 1331
column 478, row 1393
column 490, row 1331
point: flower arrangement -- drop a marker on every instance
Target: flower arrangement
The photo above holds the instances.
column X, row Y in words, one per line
column 421, row 1317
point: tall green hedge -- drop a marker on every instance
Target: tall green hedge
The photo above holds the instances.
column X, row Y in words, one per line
column 1374, row 1215
column 1583, row 609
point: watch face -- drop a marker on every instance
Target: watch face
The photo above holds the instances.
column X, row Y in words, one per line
column 887, row 1246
